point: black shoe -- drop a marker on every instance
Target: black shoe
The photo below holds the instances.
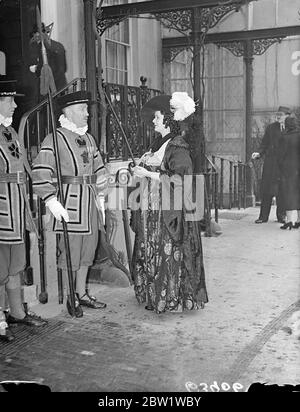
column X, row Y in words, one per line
column 288, row 225
column 91, row 302
column 296, row 225
column 260, row 221
column 30, row 319
column 8, row 337
column 78, row 308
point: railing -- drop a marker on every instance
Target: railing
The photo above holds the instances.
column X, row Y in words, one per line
column 127, row 102
column 211, row 190
column 227, row 185
column 36, row 122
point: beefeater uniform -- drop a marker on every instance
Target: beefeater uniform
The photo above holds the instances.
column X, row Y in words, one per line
column 14, row 216
column 12, row 175
column 81, row 166
column 14, row 207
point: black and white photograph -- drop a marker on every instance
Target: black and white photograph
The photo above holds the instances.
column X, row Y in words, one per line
column 149, row 199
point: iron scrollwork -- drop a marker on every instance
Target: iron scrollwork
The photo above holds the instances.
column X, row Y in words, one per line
column 211, row 17
column 261, row 46
column 170, row 53
column 258, row 46
column 179, row 20
column 105, row 23
column 235, row 47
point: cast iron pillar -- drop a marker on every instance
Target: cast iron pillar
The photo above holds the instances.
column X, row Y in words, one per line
column 248, row 59
column 199, row 159
column 90, row 64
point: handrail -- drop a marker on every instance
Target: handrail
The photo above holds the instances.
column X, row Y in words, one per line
column 44, row 102
column 35, row 114
column 211, row 163
column 229, row 160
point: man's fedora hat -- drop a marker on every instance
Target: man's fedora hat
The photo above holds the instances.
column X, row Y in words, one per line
column 74, row 98
column 158, row 103
column 284, row 109
column 8, row 88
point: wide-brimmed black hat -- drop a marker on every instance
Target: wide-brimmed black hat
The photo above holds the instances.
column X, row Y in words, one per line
column 9, row 88
column 284, row 109
column 74, row 98
column 157, row 103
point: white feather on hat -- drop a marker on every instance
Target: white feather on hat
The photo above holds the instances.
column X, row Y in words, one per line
column 182, row 105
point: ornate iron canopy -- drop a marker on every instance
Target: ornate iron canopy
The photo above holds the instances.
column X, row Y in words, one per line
column 259, row 47
column 182, row 20
column 173, row 14
column 261, row 40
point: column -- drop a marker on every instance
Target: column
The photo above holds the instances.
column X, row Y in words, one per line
column 199, row 159
column 90, row 53
column 248, row 59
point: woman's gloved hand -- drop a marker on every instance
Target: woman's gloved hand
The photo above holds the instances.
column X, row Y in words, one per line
column 139, row 171
column 255, row 155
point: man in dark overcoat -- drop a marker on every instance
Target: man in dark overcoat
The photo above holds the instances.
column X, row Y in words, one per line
column 270, row 176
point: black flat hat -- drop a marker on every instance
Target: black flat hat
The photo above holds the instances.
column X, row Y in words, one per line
column 284, row 109
column 8, row 88
column 74, row 98
column 157, row 103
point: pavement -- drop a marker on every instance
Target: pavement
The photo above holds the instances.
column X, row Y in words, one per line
column 239, row 338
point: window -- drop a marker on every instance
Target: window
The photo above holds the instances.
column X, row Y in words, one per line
column 224, row 90
column 224, row 94
column 181, row 73
column 116, row 49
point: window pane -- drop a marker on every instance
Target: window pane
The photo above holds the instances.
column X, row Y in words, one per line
column 111, row 76
column 111, row 54
column 122, row 63
column 116, row 50
column 116, row 62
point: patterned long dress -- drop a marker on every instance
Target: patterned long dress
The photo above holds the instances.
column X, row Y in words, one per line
column 168, row 259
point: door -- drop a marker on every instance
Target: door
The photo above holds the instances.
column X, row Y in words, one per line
column 17, row 18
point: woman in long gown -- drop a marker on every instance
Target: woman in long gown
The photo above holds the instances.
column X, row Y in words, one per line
column 168, row 258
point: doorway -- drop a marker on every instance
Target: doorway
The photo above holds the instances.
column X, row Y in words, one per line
column 17, row 18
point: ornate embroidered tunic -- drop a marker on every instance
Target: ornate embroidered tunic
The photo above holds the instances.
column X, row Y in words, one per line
column 12, row 207
column 79, row 156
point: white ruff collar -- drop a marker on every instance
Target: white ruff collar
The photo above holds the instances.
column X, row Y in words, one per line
column 6, row 121
column 67, row 124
